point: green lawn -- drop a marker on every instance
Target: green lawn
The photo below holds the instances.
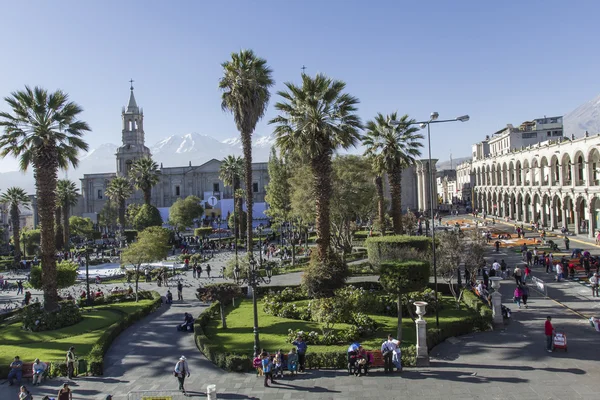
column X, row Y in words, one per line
column 53, row 345
column 238, row 337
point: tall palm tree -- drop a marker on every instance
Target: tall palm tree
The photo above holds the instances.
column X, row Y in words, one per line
column 44, row 131
column 144, row 175
column 15, row 197
column 379, row 171
column 245, row 84
column 232, row 173
column 67, row 196
column 316, row 119
column 119, row 190
column 394, row 147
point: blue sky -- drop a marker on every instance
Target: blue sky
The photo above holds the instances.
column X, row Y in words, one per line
column 499, row 62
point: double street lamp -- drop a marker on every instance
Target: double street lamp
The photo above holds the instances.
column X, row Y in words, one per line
column 253, row 278
column 433, row 119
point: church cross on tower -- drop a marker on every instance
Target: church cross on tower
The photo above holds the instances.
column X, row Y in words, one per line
column 131, row 82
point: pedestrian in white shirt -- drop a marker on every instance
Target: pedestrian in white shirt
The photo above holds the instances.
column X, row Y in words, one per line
column 594, row 281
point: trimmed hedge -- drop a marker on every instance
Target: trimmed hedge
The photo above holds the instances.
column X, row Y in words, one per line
column 472, row 301
column 213, row 352
column 393, row 248
column 95, row 357
column 202, row 232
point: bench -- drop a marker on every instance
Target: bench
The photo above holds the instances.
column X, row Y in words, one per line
column 27, row 371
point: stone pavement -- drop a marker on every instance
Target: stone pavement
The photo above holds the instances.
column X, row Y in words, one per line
column 509, row 363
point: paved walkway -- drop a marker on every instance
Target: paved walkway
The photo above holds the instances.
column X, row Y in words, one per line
column 510, row 363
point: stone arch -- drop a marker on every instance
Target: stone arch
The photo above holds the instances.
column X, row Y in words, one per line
column 511, row 173
column 566, row 169
column 520, row 207
column 555, row 170
column 594, row 215
column 568, row 213
column 512, row 206
column 579, row 164
column 519, row 173
column 536, row 209
column 544, row 172
column 488, row 177
column 581, row 215
column 535, row 173
column 526, row 173
column 546, row 209
column 593, row 162
column 557, row 212
column 494, row 174
column 527, row 208
column 504, row 174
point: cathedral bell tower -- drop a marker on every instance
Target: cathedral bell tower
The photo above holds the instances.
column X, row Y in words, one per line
column 133, row 146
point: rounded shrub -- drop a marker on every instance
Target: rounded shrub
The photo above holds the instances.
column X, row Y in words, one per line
column 322, row 278
column 395, row 248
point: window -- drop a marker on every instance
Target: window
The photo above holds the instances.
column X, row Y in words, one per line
column 529, row 135
column 99, row 194
column 216, row 187
column 177, row 191
column 255, row 187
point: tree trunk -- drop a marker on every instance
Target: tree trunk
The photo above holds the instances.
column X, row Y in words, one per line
column 237, row 205
column 247, row 147
column 223, row 321
column 399, row 332
column 395, row 177
column 66, row 227
column 45, row 174
column 14, row 216
column 147, row 195
column 122, row 214
column 380, row 203
column 322, row 169
column 59, row 233
column 137, row 279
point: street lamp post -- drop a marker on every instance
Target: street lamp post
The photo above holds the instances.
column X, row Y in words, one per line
column 253, row 279
column 433, row 119
column 219, row 225
column 260, row 244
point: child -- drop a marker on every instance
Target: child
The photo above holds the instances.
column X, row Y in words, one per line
column 267, row 366
column 517, row 295
column 278, row 361
column 257, row 363
column 292, row 361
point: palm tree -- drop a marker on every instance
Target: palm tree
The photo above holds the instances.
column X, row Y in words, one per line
column 245, row 84
column 394, row 147
column 232, row 173
column 43, row 131
column 316, row 119
column 378, row 170
column 15, row 197
column 66, row 196
column 119, row 190
column 144, row 175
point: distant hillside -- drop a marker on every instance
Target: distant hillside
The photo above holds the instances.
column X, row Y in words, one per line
column 442, row 165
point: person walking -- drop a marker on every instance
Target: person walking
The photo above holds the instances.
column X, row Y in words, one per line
column 180, row 371
column 301, row 348
column 525, row 294
column 19, row 287
column 267, row 367
column 594, row 281
column 208, row 270
column 518, row 275
column 518, row 294
column 70, row 359
column 180, row 291
column 65, row 393
column 549, row 332
column 387, row 350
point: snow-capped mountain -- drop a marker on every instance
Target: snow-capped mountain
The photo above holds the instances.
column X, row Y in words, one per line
column 586, row 117
column 173, row 151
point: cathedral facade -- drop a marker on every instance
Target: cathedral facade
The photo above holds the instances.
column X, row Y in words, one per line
column 203, row 180
column 175, row 182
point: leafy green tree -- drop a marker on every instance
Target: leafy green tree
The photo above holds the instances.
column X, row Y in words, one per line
column 474, row 255
column 119, row 190
column 245, row 85
column 221, row 292
column 44, row 131
column 399, row 278
column 241, row 220
column 82, row 227
column 152, row 245
column 66, row 275
column 450, row 252
column 379, row 171
column 146, row 217
column 353, row 191
column 15, row 197
column 278, row 189
column 144, row 175
column 232, row 173
column 184, row 212
column 393, row 147
column 67, row 196
column 322, row 278
column 316, row 119
column 132, row 211
column 109, row 215
column 31, row 240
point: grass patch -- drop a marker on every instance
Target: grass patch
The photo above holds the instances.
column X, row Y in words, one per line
column 53, row 345
column 239, row 339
